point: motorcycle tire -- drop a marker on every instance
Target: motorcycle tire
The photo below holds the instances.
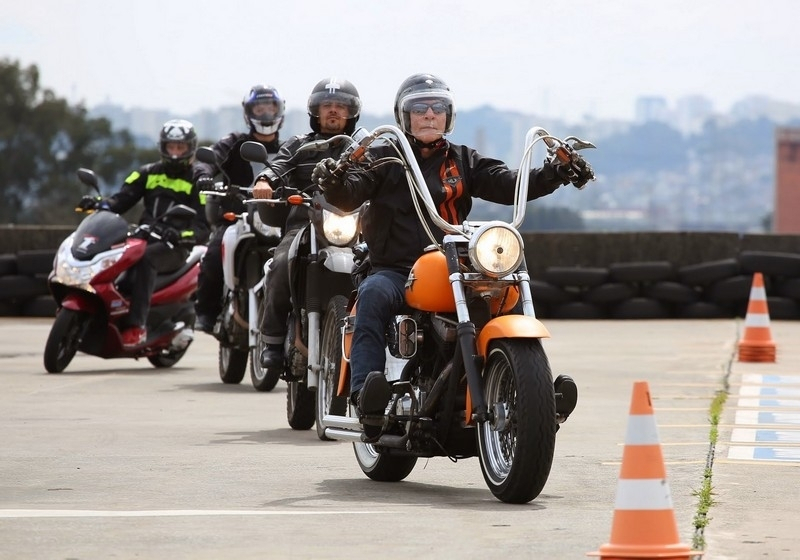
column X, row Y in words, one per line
column 264, row 379
column 232, row 364
column 330, row 361
column 166, row 359
column 381, row 467
column 64, row 339
column 300, row 406
column 516, row 449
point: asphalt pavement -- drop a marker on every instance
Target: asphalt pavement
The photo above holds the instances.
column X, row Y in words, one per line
column 115, row 459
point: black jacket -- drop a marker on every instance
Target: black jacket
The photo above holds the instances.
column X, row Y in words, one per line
column 390, row 225
column 293, row 169
column 235, row 169
column 160, row 187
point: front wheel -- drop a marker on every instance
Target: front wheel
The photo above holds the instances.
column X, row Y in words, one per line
column 516, row 448
column 263, row 379
column 64, row 339
column 330, row 361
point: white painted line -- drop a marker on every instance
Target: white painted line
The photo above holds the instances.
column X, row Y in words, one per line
column 749, row 453
column 749, row 435
column 31, row 513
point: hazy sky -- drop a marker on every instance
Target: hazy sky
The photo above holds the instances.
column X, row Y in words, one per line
column 558, row 58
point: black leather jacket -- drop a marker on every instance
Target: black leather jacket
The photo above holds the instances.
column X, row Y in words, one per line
column 236, row 169
column 289, row 168
column 390, row 225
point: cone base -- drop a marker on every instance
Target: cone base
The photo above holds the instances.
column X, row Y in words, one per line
column 757, row 354
column 664, row 552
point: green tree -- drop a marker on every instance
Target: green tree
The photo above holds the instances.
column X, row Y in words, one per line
column 43, row 141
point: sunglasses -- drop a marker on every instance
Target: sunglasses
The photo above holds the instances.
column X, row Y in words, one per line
column 421, row 108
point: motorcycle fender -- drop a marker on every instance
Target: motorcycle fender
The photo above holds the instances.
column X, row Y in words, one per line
column 76, row 302
column 344, row 367
column 510, row 326
column 507, row 326
column 338, row 259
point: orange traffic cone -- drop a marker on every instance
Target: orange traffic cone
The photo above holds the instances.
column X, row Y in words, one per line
column 644, row 523
column 757, row 344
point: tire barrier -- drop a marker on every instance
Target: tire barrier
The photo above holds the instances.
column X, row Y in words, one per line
column 641, row 289
column 23, row 284
column 717, row 289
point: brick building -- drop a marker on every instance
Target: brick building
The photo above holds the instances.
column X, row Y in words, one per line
column 786, row 218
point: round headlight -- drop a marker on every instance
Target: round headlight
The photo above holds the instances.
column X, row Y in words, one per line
column 339, row 229
column 495, row 249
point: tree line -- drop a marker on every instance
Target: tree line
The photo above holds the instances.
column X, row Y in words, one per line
column 44, row 141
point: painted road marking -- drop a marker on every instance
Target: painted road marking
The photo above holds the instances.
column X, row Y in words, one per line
column 767, row 435
column 743, row 452
column 29, row 513
column 750, row 435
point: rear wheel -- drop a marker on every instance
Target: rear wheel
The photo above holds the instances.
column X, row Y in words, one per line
column 232, row 364
column 64, row 339
column 300, row 403
column 330, row 361
column 379, row 466
column 167, row 359
column 516, row 449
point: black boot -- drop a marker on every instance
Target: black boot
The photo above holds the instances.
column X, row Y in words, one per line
column 272, row 356
column 371, row 403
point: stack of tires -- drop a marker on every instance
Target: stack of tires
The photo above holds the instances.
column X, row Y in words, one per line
column 23, row 284
column 659, row 290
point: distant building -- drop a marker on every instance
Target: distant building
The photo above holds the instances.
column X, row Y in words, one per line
column 786, row 218
column 651, row 109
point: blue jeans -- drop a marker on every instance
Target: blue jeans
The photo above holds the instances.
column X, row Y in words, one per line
column 381, row 296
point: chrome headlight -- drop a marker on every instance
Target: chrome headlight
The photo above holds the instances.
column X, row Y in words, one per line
column 340, row 229
column 496, row 249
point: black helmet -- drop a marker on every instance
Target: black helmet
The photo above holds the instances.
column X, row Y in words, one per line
column 334, row 89
column 267, row 123
column 177, row 130
column 423, row 87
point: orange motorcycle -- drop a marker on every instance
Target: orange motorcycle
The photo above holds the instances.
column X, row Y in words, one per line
column 475, row 378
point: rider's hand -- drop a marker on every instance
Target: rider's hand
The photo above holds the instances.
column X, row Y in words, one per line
column 170, row 235
column 204, row 183
column 323, row 175
column 89, row 203
column 582, row 172
column 262, row 189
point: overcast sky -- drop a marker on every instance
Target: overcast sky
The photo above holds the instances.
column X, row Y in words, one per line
column 557, row 58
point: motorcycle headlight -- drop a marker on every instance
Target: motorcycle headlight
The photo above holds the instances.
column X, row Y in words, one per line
column 71, row 272
column 340, row 229
column 496, row 249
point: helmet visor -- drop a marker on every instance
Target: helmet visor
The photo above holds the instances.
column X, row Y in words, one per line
column 350, row 101
column 420, row 102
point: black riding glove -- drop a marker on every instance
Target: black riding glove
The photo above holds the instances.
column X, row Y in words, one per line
column 204, row 183
column 323, row 175
column 169, row 235
column 89, row 203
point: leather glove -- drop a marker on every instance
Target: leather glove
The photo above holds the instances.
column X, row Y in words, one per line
column 89, row 203
column 582, row 171
column 170, row 235
column 204, row 183
column 323, row 175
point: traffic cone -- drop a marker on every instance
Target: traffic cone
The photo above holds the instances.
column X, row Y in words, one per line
column 644, row 522
column 757, row 344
